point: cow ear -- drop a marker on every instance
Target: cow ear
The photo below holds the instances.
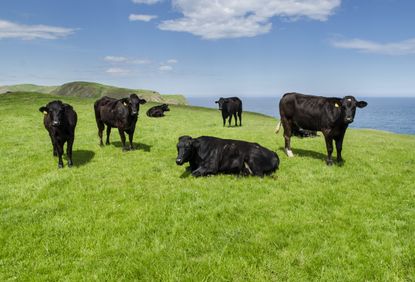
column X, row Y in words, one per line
column 125, row 101
column 142, row 101
column 43, row 110
column 361, row 104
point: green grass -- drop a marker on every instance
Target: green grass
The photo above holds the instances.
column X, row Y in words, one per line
column 137, row 215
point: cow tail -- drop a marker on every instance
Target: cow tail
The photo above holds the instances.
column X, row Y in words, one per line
column 277, row 129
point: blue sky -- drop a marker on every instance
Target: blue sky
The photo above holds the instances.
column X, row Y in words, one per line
column 213, row 48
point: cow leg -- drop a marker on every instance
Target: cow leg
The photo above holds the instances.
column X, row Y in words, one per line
column 236, row 120
column 108, row 135
column 55, row 151
column 130, row 138
column 230, row 120
column 59, row 148
column 122, row 135
column 287, row 124
column 202, row 171
column 329, row 146
column 339, row 146
column 69, row 150
column 240, row 118
column 100, row 130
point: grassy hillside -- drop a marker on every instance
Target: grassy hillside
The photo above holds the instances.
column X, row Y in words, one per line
column 136, row 215
column 27, row 88
column 94, row 90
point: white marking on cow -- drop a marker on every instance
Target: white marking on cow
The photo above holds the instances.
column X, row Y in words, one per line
column 248, row 168
column 289, row 153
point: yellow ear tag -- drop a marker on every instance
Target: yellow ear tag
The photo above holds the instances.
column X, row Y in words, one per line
column 336, row 105
column 45, row 113
column 125, row 104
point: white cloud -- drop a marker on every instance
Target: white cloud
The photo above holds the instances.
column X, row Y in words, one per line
column 148, row 2
column 394, row 48
column 242, row 18
column 172, row 61
column 165, row 68
column 114, row 59
column 144, row 18
column 125, row 60
column 118, row 71
column 30, row 32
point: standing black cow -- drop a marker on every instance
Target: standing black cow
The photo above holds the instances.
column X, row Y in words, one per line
column 331, row 116
column 60, row 121
column 158, row 111
column 122, row 114
column 230, row 106
column 211, row 155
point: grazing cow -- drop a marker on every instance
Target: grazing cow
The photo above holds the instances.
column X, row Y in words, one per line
column 331, row 116
column 122, row 114
column 230, row 106
column 158, row 111
column 60, row 121
column 211, row 155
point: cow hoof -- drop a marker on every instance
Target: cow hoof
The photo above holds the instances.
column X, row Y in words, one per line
column 70, row 164
column 329, row 162
column 124, row 149
column 60, row 165
column 289, row 153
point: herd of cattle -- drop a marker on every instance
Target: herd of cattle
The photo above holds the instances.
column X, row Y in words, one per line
column 301, row 115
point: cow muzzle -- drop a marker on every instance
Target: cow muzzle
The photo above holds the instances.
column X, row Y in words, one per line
column 348, row 120
column 55, row 123
column 179, row 161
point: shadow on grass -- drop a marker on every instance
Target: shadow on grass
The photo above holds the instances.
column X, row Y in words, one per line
column 82, row 157
column 186, row 173
column 137, row 146
column 312, row 154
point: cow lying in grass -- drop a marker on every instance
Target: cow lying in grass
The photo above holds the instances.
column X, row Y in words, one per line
column 122, row 114
column 211, row 155
column 60, row 122
column 158, row 111
column 331, row 116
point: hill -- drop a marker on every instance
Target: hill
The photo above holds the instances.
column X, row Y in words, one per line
column 94, row 90
column 138, row 216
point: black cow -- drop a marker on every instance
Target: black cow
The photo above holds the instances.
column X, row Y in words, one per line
column 122, row 114
column 331, row 116
column 230, row 106
column 158, row 111
column 60, row 121
column 303, row 133
column 211, row 155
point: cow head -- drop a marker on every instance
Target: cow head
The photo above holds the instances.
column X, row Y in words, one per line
column 133, row 104
column 348, row 108
column 184, row 149
column 221, row 102
column 55, row 111
column 165, row 107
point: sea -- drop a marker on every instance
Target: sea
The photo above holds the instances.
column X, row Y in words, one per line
column 383, row 113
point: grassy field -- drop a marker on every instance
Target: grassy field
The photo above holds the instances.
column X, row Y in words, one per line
column 137, row 215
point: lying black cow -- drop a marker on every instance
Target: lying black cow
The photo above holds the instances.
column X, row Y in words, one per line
column 230, row 106
column 331, row 116
column 158, row 111
column 60, row 121
column 122, row 114
column 211, row 155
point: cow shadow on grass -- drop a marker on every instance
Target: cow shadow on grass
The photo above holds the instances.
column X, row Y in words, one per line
column 137, row 146
column 313, row 155
column 186, row 173
column 82, row 157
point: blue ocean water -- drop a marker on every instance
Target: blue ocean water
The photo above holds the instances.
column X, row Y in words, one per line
column 390, row 114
